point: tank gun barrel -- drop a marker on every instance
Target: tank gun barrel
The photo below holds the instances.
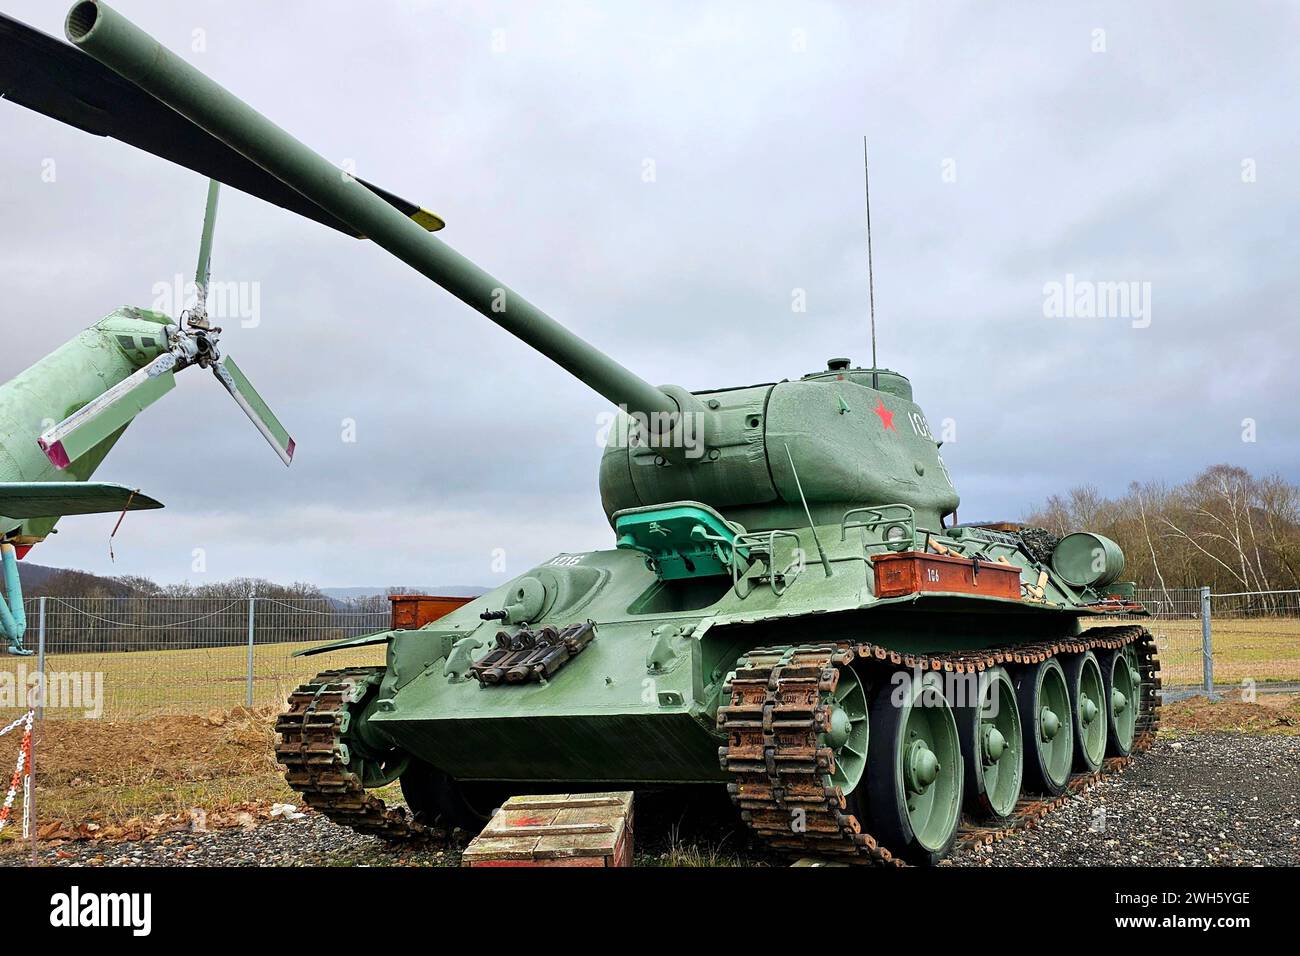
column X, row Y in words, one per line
column 117, row 43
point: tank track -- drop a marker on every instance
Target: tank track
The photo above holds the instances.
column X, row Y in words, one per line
column 318, row 766
column 777, row 767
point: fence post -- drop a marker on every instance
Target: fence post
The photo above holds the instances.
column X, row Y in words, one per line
column 252, row 602
column 1207, row 644
column 40, row 655
column 40, row 713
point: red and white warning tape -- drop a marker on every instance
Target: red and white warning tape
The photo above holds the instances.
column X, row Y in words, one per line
column 22, row 774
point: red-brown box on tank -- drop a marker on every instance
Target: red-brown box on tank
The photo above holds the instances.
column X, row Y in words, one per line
column 912, row 572
column 411, row 611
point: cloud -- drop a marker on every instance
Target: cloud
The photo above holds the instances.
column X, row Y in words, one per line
column 1116, row 165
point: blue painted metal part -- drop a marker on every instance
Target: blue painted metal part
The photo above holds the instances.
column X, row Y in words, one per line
column 680, row 540
column 13, row 616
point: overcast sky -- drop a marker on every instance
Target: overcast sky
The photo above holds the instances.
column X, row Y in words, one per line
column 1012, row 144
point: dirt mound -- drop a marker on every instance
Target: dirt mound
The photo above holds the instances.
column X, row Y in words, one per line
column 1269, row 713
column 122, row 753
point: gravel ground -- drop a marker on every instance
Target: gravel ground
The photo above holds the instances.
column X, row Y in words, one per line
column 1215, row 798
column 1219, row 799
column 311, row 841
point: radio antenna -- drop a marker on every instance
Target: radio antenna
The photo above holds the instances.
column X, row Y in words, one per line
column 871, row 275
column 826, row 564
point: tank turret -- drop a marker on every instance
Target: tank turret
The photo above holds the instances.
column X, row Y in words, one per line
column 853, row 436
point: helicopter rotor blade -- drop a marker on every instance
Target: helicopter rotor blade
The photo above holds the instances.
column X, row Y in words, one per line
column 110, row 411
column 258, row 412
column 55, row 78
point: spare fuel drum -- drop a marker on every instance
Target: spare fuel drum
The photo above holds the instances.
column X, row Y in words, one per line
column 1088, row 560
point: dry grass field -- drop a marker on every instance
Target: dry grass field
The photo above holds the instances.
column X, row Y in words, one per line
column 147, row 683
column 1258, row 648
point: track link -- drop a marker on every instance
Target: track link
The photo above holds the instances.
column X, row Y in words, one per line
column 318, row 763
column 781, row 775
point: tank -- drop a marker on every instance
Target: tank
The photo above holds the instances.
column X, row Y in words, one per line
column 787, row 609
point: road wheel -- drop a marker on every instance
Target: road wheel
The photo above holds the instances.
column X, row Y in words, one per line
column 992, row 745
column 1043, row 696
column 914, row 785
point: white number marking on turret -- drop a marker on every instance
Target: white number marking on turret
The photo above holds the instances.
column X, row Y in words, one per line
column 565, row 561
column 919, row 425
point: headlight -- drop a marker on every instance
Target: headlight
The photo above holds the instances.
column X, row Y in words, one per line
column 897, row 538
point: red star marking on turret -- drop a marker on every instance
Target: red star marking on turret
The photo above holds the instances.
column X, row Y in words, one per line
column 886, row 416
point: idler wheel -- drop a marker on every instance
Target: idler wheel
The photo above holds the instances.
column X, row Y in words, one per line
column 846, row 734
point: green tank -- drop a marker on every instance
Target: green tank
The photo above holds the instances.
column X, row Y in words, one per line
column 788, row 607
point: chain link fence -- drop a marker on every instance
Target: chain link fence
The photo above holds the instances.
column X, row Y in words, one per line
column 1239, row 640
column 124, row 658
column 1256, row 638
column 1176, row 623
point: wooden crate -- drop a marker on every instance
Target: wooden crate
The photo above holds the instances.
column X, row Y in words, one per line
column 411, row 611
column 910, row 572
column 565, row 829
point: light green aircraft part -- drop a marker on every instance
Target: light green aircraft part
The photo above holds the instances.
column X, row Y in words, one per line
column 254, row 406
column 196, row 344
column 62, row 383
column 34, row 493
column 203, row 271
column 59, row 418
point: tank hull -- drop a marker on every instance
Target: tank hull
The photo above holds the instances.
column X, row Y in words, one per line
column 640, row 702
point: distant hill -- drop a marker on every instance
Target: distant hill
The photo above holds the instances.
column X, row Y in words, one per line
column 36, row 576
column 38, row 579
column 442, row 590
